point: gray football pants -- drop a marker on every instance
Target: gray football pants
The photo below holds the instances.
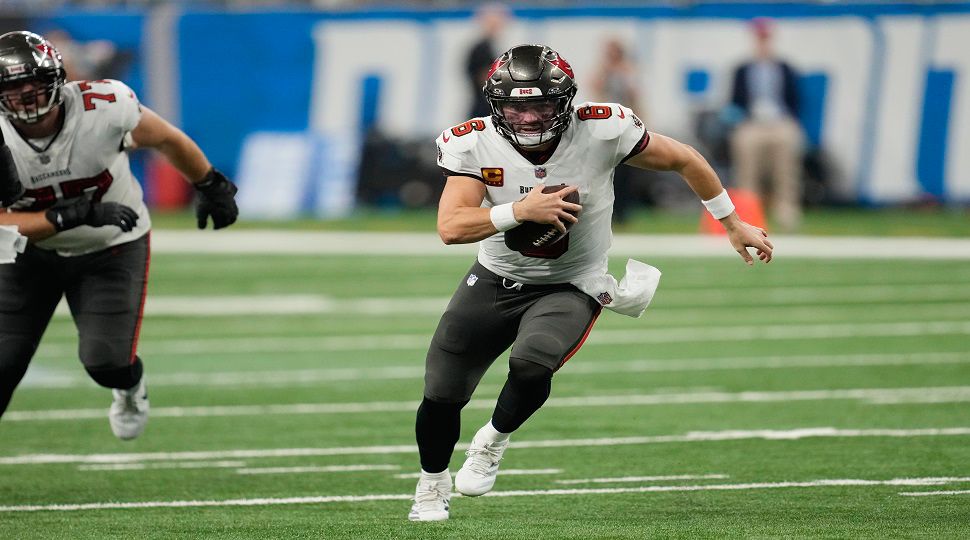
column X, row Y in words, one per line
column 487, row 314
column 105, row 291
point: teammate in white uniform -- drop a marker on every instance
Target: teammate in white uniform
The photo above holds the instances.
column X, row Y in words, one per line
column 84, row 158
column 83, row 213
column 541, row 302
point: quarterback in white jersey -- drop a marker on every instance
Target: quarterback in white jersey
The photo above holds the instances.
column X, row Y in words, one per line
column 599, row 137
column 541, row 302
column 66, row 185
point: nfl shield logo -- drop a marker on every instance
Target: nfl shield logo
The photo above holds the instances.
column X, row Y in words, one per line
column 604, row 298
column 540, row 172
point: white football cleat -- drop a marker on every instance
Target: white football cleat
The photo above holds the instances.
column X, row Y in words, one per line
column 477, row 476
column 129, row 411
column 432, row 497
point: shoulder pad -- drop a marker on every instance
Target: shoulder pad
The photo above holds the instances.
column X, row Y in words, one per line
column 113, row 102
column 604, row 121
column 103, row 86
column 462, row 137
column 120, row 89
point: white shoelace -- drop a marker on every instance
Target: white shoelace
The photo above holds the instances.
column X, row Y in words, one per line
column 131, row 400
column 484, row 457
column 430, row 494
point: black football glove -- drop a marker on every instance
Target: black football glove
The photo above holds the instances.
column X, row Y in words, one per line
column 82, row 211
column 216, row 198
column 11, row 188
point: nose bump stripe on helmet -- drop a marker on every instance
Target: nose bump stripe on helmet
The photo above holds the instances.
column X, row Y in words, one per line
column 563, row 65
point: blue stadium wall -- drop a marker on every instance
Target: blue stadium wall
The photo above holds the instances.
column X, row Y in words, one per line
column 886, row 86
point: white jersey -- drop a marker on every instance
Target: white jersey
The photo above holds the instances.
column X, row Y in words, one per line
column 87, row 156
column 600, row 136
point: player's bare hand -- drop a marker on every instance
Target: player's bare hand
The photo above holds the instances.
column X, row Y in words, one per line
column 548, row 208
column 744, row 235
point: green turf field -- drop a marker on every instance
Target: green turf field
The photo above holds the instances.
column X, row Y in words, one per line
column 804, row 398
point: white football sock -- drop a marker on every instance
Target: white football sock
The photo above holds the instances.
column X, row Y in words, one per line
column 445, row 474
column 489, row 433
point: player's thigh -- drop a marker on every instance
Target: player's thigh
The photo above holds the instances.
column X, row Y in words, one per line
column 555, row 327
column 106, row 298
column 472, row 332
column 30, row 290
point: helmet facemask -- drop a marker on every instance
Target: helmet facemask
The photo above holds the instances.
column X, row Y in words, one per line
column 29, row 99
column 531, row 122
column 31, row 76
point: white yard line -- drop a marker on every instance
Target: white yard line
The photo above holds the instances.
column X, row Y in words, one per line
column 38, row 377
column 173, row 465
column 204, row 503
column 690, row 437
column 279, row 345
column 769, row 362
column 264, row 242
column 302, row 304
column 935, row 493
column 620, row 479
column 283, row 304
column 848, row 482
column 937, row 394
column 501, row 472
column 317, row 469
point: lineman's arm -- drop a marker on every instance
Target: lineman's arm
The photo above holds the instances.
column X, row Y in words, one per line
column 153, row 131
column 216, row 193
column 33, row 225
column 667, row 154
column 69, row 214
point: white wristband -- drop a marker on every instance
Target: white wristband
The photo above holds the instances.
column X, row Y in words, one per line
column 503, row 217
column 721, row 206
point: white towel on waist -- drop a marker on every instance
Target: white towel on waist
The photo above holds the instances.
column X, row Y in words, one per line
column 11, row 243
column 631, row 295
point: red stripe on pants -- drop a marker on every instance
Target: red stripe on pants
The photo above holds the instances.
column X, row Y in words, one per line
column 589, row 328
column 144, row 294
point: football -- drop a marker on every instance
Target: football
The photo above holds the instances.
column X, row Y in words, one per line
column 530, row 236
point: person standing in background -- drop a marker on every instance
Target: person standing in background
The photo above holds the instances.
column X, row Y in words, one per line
column 492, row 18
column 769, row 139
column 615, row 82
column 88, row 60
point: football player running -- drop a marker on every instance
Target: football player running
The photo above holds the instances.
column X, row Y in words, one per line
column 83, row 214
column 541, row 302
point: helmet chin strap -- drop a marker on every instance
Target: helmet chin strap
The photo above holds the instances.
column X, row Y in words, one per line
column 541, row 139
column 41, row 113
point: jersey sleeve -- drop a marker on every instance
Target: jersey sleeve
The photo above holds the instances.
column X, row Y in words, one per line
column 111, row 104
column 618, row 125
column 127, row 112
column 633, row 138
column 455, row 152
